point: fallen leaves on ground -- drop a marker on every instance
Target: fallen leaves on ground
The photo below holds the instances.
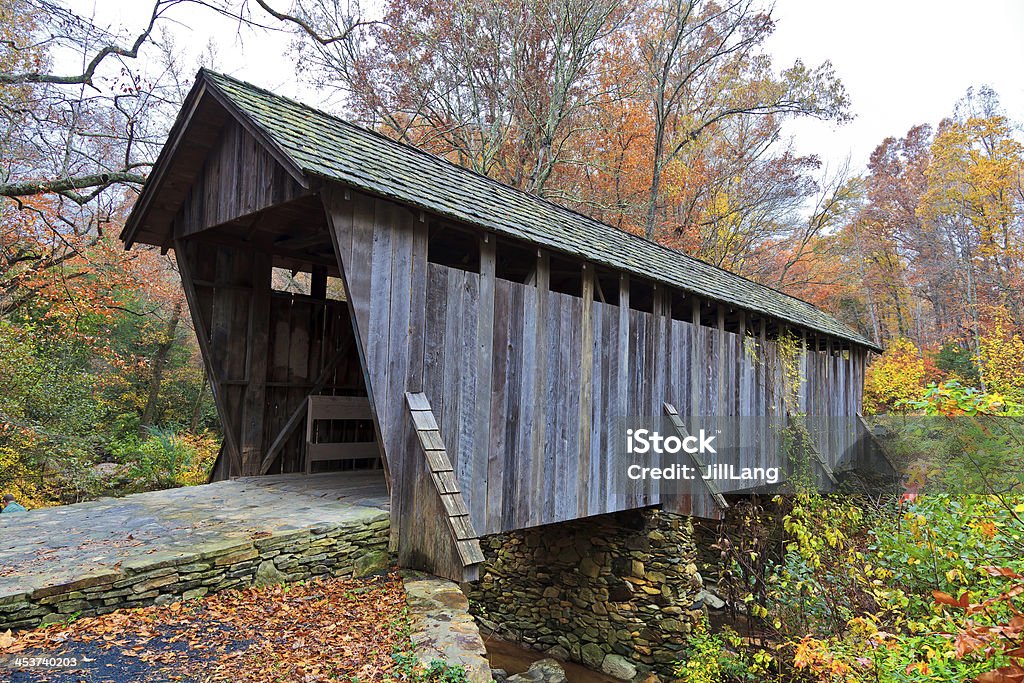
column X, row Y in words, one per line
column 321, row 630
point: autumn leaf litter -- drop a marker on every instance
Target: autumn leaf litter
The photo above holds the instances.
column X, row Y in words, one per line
column 321, row 630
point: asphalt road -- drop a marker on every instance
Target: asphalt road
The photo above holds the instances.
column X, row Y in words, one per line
column 161, row 659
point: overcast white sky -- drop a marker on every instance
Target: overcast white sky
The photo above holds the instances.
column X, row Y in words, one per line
column 904, row 62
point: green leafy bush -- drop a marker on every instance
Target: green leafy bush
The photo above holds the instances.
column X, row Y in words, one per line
column 164, row 459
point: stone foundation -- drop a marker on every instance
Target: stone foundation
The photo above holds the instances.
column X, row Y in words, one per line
column 618, row 591
column 354, row 548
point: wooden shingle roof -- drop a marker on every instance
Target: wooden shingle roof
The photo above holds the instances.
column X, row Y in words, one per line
column 322, row 145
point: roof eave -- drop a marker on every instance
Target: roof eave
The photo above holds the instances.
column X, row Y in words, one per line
column 203, row 87
column 852, row 338
column 163, row 162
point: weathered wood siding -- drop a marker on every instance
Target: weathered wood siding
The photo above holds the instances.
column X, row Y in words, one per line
column 384, row 252
column 263, row 351
column 526, row 383
column 238, row 178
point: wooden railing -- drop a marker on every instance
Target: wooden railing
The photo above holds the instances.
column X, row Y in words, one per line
column 337, row 408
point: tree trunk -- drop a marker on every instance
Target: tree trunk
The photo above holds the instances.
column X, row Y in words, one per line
column 655, row 189
column 652, row 202
column 159, row 362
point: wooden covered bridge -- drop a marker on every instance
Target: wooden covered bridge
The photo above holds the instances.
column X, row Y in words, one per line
column 480, row 341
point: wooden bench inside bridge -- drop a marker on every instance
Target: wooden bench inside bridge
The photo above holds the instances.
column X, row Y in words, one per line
column 488, row 339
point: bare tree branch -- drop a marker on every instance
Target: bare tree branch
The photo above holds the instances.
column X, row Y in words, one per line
column 309, row 30
column 86, row 77
column 68, row 187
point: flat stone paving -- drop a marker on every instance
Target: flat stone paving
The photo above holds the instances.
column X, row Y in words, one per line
column 62, row 545
column 441, row 627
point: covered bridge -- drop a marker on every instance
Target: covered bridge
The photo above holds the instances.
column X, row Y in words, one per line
column 481, row 341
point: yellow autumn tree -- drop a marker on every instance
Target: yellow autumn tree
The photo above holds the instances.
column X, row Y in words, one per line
column 1001, row 356
column 973, row 200
column 897, row 375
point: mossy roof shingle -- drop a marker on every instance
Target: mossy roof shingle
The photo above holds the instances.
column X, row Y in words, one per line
column 323, row 145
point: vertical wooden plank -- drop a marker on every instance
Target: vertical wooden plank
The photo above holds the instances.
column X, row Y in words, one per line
column 434, row 346
column 527, row 401
column 496, row 405
column 567, row 406
column 611, row 410
column 379, row 305
column 696, row 361
column 622, row 384
column 573, row 318
column 484, row 350
column 392, row 299
column 641, row 381
column 586, row 388
column 720, row 360
column 454, row 363
column 662, row 357
column 419, row 294
column 805, row 390
column 598, row 458
column 551, row 403
column 358, row 272
column 514, row 382
column 538, row 450
column 469, row 396
column 761, row 409
column 743, row 365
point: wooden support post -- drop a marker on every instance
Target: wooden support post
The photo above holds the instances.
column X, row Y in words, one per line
column 743, row 360
column 586, row 389
column 762, row 354
column 299, row 414
column 183, row 256
column 257, row 349
column 624, row 358
column 696, row 360
column 720, row 351
column 805, row 365
column 828, row 359
column 318, row 283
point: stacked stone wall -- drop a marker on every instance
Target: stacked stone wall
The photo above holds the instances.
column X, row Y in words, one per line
column 618, row 592
column 355, row 548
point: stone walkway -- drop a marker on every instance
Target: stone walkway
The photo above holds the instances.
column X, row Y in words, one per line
column 95, row 557
column 441, row 626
